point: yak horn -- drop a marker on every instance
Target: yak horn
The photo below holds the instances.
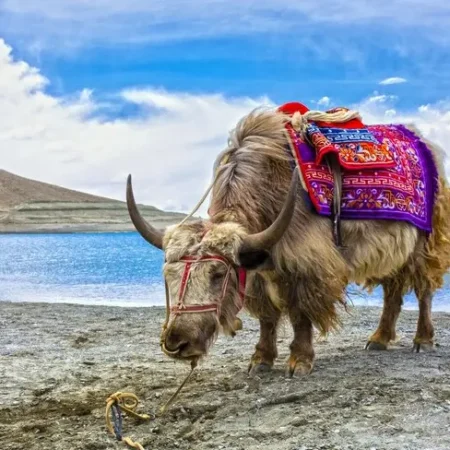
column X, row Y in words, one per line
column 149, row 233
column 266, row 239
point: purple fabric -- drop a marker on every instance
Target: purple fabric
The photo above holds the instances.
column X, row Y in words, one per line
column 403, row 192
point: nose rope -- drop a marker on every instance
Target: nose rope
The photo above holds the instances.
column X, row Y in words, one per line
column 166, row 405
column 184, row 283
column 224, row 290
column 166, row 288
column 182, row 308
column 166, row 328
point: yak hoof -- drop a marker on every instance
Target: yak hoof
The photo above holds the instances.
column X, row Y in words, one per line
column 378, row 346
column 237, row 324
column 298, row 368
column 423, row 347
column 255, row 369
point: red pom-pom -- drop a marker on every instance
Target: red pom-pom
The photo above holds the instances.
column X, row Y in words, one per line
column 293, row 107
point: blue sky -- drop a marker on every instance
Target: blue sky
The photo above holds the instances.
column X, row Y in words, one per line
column 284, row 53
column 134, row 63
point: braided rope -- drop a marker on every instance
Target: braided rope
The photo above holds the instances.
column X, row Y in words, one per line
column 127, row 402
column 300, row 121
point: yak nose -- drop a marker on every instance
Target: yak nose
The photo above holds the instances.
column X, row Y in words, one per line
column 174, row 342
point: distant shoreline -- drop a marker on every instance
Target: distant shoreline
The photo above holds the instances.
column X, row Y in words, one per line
column 76, row 228
column 66, row 231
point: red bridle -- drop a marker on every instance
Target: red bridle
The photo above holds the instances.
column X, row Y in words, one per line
column 189, row 261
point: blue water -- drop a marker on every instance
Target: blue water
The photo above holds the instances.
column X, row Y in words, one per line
column 106, row 269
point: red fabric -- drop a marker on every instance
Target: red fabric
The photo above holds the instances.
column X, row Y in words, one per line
column 403, row 192
column 293, row 107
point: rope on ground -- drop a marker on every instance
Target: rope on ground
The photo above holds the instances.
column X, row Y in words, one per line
column 128, row 402
column 114, row 405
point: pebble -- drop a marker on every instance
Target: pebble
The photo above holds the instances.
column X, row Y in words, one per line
column 299, row 422
column 89, row 363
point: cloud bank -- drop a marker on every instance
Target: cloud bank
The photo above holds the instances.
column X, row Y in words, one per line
column 169, row 146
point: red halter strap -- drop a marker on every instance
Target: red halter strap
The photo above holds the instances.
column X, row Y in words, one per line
column 182, row 308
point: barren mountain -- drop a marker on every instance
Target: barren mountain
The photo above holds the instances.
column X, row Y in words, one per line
column 32, row 206
column 16, row 190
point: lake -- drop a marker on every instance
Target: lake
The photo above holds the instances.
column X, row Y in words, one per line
column 116, row 269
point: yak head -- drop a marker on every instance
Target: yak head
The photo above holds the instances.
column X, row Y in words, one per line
column 203, row 268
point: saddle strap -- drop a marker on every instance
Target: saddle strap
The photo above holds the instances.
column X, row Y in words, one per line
column 333, row 160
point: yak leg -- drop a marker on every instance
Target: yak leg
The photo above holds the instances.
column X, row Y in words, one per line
column 393, row 300
column 425, row 330
column 266, row 348
column 260, row 305
column 301, row 360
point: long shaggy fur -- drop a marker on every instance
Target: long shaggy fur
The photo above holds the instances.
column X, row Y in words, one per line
column 250, row 189
column 306, row 275
column 251, row 186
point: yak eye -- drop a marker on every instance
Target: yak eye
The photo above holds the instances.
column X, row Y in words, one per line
column 217, row 277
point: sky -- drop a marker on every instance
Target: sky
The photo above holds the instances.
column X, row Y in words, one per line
column 92, row 91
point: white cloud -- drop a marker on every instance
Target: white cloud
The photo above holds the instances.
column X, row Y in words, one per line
column 380, row 98
column 324, row 101
column 432, row 120
column 390, row 113
column 393, row 80
column 169, row 148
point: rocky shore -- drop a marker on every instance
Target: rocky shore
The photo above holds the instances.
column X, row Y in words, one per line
column 59, row 363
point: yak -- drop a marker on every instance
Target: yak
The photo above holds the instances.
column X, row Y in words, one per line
column 265, row 249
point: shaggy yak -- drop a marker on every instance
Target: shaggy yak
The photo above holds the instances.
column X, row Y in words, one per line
column 264, row 243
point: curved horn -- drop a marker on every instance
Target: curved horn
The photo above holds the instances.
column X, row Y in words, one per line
column 271, row 235
column 149, row 233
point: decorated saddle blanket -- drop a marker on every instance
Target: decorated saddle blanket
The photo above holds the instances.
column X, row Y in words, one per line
column 357, row 148
column 400, row 184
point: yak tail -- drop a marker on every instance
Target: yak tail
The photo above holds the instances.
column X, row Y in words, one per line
column 437, row 248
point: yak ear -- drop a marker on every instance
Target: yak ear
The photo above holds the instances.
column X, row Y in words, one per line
column 255, row 259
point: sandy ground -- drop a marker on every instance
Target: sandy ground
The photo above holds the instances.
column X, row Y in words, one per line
column 58, row 364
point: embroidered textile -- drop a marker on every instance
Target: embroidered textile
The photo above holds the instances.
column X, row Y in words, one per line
column 404, row 191
column 357, row 148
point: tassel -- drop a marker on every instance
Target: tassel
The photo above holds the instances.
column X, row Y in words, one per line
column 335, row 167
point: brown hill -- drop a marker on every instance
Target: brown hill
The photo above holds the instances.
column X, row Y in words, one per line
column 16, row 190
column 32, row 206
